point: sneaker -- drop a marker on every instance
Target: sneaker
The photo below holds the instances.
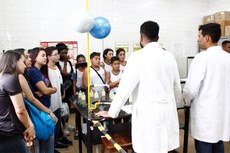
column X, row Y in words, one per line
column 66, row 132
column 70, row 127
column 76, row 136
column 60, row 146
column 65, row 141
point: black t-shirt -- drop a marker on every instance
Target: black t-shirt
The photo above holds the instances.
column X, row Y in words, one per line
column 10, row 126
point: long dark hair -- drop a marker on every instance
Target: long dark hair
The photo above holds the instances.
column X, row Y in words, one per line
column 33, row 54
column 8, row 62
column 119, row 50
column 105, row 52
column 20, row 51
column 79, row 56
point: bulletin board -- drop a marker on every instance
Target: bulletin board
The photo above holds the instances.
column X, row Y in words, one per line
column 136, row 46
column 124, row 45
column 72, row 45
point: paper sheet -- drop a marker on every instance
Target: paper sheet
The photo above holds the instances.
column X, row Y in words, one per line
column 128, row 109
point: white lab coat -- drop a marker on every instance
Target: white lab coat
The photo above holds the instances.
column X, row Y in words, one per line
column 152, row 77
column 208, row 89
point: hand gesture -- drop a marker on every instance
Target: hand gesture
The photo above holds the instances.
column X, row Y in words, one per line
column 29, row 135
column 103, row 114
column 55, row 119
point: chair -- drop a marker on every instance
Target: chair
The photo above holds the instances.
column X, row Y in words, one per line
column 121, row 134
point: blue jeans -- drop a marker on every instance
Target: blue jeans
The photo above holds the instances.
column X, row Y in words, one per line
column 205, row 147
column 57, row 130
column 18, row 146
column 46, row 146
column 34, row 148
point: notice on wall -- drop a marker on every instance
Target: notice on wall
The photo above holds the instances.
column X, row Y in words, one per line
column 124, row 45
column 136, row 46
column 72, row 48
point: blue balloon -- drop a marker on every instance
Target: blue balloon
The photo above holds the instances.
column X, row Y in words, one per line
column 101, row 28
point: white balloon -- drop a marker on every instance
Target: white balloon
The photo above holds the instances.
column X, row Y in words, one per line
column 82, row 21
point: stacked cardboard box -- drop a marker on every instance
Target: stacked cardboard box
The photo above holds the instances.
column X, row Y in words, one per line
column 223, row 24
column 209, row 19
column 227, row 31
column 223, row 18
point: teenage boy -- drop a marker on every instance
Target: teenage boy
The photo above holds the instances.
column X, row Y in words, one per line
column 66, row 69
column 113, row 77
column 60, row 141
column 97, row 73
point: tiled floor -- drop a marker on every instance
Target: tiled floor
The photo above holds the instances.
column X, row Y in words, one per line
column 74, row 148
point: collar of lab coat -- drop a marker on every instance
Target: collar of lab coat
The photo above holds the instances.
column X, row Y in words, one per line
column 153, row 44
column 214, row 48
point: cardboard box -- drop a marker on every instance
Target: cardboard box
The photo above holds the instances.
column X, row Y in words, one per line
column 209, row 19
column 222, row 26
column 227, row 30
column 222, row 16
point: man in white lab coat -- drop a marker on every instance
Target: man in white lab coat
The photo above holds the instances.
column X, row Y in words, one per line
column 151, row 76
column 208, row 89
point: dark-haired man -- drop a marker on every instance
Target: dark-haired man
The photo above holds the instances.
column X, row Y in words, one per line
column 151, row 76
column 226, row 46
column 207, row 88
column 66, row 69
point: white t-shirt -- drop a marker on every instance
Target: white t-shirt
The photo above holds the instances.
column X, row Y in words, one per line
column 68, row 68
column 95, row 79
column 122, row 68
column 56, row 81
column 107, row 67
column 114, row 78
column 77, row 76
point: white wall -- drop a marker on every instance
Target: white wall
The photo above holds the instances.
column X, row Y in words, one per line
column 25, row 23
column 218, row 5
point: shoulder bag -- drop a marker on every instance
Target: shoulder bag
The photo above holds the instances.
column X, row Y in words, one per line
column 43, row 124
